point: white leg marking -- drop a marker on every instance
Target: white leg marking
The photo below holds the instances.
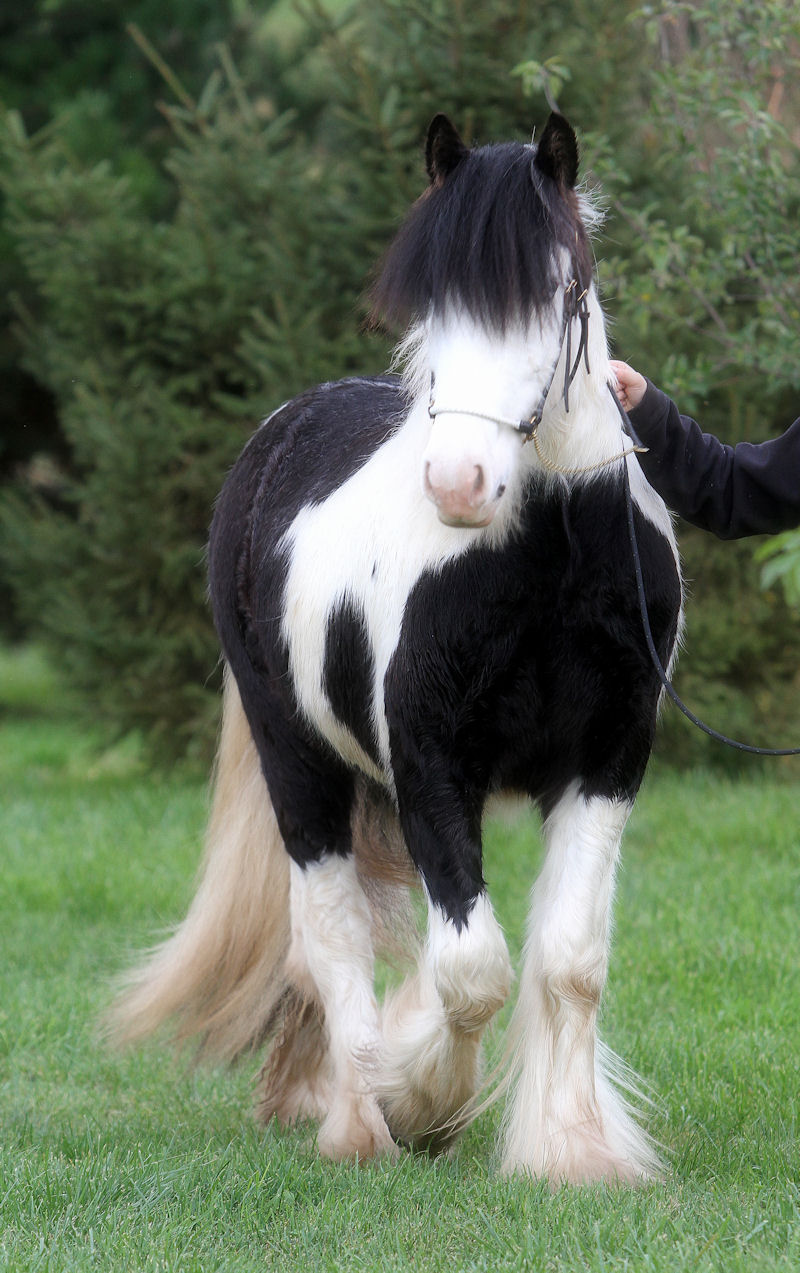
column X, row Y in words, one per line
column 470, row 968
column 331, row 938
column 565, row 1120
column 432, row 1026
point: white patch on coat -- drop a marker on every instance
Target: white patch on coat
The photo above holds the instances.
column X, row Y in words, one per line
column 470, row 968
column 485, row 382
column 432, row 1025
column 368, row 542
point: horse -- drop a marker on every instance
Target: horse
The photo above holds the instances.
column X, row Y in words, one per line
column 419, row 610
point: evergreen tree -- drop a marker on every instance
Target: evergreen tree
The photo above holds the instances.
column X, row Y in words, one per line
column 164, row 345
column 165, row 331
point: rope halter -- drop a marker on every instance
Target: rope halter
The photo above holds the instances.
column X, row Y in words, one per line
column 575, row 307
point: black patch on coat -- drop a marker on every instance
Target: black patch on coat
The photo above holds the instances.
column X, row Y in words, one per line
column 525, row 668
column 349, row 673
column 522, row 667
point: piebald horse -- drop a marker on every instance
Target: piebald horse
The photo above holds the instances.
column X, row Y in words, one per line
column 423, row 589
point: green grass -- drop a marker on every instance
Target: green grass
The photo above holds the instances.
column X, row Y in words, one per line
column 132, row 1162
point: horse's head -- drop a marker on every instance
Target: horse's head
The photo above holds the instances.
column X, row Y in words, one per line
column 480, row 270
column 483, row 386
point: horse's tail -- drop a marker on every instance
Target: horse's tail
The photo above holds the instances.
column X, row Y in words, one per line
column 220, row 976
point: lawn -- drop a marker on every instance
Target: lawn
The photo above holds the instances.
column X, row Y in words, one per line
column 134, row 1162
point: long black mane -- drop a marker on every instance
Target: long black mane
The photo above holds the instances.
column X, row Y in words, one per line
column 486, row 238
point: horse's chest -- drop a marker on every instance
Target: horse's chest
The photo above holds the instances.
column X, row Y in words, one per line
column 352, row 563
column 392, row 622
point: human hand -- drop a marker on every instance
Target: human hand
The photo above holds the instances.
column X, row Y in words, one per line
column 630, row 385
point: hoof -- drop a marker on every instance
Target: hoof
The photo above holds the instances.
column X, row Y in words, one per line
column 357, row 1131
column 582, row 1156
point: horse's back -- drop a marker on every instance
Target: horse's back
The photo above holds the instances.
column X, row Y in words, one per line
column 308, row 447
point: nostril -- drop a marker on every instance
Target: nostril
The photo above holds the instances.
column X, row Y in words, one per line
column 501, row 490
column 480, row 480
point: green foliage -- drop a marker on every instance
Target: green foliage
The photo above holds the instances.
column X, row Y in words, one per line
column 75, row 58
column 710, row 295
column 164, row 344
column 165, row 314
column 73, row 61
column 782, row 557
column 165, row 340
column 548, row 77
column 738, row 669
column 708, row 281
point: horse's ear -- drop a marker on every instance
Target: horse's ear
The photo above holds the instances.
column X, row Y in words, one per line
column 557, row 152
column 444, row 149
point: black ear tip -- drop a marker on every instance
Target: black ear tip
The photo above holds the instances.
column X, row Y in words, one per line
column 444, row 149
column 441, row 131
column 557, row 153
column 559, row 123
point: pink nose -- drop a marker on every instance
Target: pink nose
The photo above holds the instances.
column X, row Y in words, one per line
column 460, row 497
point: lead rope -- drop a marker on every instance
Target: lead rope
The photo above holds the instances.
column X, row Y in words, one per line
column 669, row 688
column 574, row 307
column 586, row 468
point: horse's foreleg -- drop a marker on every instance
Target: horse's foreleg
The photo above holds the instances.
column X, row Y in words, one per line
column 432, row 1025
column 331, row 960
column 566, row 1121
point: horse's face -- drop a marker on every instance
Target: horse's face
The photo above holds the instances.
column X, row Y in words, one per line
column 478, row 269
column 484, row 383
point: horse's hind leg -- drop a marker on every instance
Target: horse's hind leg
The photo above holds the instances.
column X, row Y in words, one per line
column 296, row 1079
column 324, row 1054
column 566, row 1121
column 326, row 1030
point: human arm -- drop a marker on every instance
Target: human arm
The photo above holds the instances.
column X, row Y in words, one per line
column 749, row 489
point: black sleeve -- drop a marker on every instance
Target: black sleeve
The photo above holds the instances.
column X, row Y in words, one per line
column 749, row 489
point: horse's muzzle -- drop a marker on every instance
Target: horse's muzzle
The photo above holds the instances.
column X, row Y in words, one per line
column 462, row 498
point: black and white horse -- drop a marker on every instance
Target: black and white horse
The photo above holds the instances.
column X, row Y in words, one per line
column 418, row 610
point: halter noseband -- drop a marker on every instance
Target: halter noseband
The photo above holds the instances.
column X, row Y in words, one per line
column 575, row 306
